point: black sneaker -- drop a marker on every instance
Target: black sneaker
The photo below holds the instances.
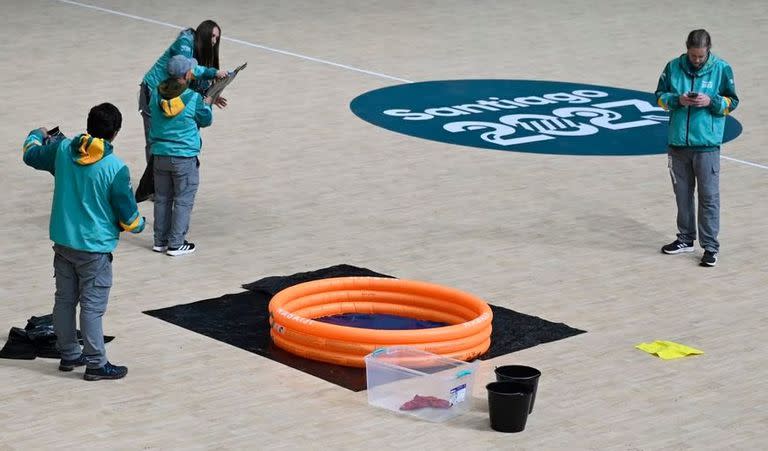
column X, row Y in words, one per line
column 184, row 249
column 108, row 371
column 709, row 258
column 677, row 247
column 69, row 365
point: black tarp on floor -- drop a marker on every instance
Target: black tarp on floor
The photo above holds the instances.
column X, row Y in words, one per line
column 242, row 320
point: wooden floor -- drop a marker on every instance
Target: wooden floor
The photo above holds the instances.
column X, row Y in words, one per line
column 293, row 181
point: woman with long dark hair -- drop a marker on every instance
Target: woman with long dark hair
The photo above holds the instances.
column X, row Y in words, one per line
column 202, row 44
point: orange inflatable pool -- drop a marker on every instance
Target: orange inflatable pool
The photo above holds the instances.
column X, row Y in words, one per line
column 293, row 312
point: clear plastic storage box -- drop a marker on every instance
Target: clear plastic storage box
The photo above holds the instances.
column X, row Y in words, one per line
column 419, row 383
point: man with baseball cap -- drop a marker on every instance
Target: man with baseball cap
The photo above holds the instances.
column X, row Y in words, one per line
column 177, row 114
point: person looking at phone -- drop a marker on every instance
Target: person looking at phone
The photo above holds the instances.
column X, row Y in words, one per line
column 698, row 90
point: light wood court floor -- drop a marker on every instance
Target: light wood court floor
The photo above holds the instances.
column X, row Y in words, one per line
column 293, row 181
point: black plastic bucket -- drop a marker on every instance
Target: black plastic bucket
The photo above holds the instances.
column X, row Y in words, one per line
column 522, row 374
column 508, row 405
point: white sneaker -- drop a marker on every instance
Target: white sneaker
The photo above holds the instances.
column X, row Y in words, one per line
column 184, row 249
column 159, row 248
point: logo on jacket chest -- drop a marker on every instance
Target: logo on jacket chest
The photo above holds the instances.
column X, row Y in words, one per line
column 522, row 116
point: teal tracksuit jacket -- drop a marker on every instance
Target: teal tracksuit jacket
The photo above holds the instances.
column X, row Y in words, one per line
column 693, row 126
column 177, row 114
column 92, row 198
column 183, row 45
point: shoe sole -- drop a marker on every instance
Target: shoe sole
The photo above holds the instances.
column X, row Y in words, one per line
column 67, row 368
column 179, row 253
column 98, row 377
column 679, row 251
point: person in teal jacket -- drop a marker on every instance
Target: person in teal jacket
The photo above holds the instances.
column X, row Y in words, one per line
column 177, row 114
column 92, row 203
column 698, row 90
column 202, row 44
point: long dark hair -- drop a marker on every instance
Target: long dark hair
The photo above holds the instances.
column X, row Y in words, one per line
column 205, row 53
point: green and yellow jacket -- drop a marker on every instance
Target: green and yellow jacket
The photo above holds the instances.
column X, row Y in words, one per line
column 177, row 113
column 92, row 198
column 183, row 45
column 692, row 126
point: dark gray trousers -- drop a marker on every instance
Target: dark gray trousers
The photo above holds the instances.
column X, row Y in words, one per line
column 176, row 182
column 688, row 169
column 83, row 278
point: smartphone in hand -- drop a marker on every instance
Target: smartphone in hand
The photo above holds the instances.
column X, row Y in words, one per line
column 54, row 135
column 692, row 95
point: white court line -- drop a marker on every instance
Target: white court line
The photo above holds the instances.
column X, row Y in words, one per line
column 296, row 55
column 744, row 162
column 239, row 41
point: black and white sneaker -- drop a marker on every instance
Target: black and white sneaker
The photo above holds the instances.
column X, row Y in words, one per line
column 709, row 258
column 159, row 248
column 677, row 247
column 184, row 249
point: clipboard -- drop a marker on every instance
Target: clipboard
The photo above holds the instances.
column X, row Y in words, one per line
column 214, row 92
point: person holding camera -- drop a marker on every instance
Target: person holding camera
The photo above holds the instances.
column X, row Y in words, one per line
column 92, row 203
column 698, row 90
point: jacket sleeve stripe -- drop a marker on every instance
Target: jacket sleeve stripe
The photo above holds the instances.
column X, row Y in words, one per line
column 727, row 105
column 133, row 225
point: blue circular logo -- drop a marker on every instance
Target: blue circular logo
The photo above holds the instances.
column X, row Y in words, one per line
column 525, row 116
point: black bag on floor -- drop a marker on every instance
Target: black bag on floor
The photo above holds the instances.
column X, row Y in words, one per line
column 35, row 340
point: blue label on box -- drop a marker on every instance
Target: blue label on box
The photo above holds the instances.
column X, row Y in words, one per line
column 458, row 394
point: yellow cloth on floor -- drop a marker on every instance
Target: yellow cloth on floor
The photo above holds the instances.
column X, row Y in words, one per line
column 668, row 350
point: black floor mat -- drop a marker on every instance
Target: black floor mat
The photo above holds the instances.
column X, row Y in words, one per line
column 242, row 320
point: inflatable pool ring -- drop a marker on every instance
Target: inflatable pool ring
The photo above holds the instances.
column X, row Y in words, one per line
column 292, row 314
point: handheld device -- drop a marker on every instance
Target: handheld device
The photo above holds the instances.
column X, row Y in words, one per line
column 692, row 94
column 54, row 135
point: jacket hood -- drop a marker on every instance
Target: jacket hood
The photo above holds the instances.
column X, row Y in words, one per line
column 85, row 149
column 171, row 102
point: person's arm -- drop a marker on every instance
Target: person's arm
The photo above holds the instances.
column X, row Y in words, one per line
column 208, row 73
column 185, row 45
column 124, row 202
column 203, row 112
column 37, row 155
column 665, row 97
column 726, row 100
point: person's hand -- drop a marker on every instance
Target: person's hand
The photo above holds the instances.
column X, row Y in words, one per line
column 221, row 102
column 140, row 228
column 208, row 100
column 687, row 101
column 221, row 73
column 702, row 100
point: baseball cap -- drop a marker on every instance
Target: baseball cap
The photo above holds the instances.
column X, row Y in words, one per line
column 179, row 65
